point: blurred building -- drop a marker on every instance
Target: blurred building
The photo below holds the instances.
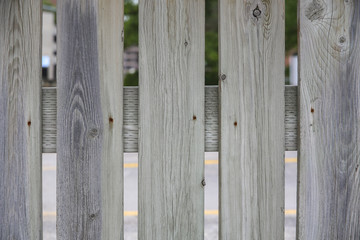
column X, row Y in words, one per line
column 49, row 47
column 131, row 60
column 131, row 54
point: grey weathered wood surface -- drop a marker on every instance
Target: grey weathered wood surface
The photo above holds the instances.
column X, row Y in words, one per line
column 89, row 137
column 251, row 187
column 131, row 112
column 20, row 120
column 171, row 119
column 329, row 157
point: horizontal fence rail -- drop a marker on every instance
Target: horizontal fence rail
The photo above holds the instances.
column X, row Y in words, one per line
column 131, row 109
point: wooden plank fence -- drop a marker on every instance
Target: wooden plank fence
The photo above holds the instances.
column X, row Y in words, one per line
column 172, row 118
column 131, row 119
column 252, row 108
column 89, row 120
column 329, row 156
column 171, row 101
column 20, row 120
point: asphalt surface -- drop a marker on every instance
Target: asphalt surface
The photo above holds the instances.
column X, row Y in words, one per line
column 130, row 198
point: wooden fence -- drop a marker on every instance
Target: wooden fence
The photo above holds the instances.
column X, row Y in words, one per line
column 131, row 111
column 171, row 120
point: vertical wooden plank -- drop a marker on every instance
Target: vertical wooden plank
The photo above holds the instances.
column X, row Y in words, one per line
column 20, row 119
column 252, row 119
column 171, row 119
column 89, row 143
column 328, row 189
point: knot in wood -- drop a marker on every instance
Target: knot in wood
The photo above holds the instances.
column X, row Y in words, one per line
column 342, row 39
column 257, row 12
column 203, row 183
column 186, row 43
column 92, row 216
column 93, row 132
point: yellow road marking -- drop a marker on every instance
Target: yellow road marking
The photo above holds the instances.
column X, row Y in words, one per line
column 131, row 165
column 290, row 160
column 211, row 212
column 211, row 162
column 49, row 214
column 130, row 213
column 135, row 213
column 207, row 162
column 290, row 212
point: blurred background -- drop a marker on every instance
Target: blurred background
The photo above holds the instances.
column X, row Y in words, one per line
column 131, row 39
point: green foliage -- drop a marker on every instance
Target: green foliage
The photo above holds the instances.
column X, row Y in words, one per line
column 131, row 23
column 290, row 26
column 211, row 42
column 47, row 2
column 211, row 58
column 131, row 79
column 131, row 36
column 211, row 36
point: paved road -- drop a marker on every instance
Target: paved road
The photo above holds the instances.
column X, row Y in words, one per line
column 130, row 201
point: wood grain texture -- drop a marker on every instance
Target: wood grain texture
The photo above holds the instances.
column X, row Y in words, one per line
column 20, row 120
column 329, row 90
column 171, row 119
column 89, row 127
column 251, row 37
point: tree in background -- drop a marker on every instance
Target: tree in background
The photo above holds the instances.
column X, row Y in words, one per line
column 290, row 26
column 131, row 35
column 131, row 38
column 211, row 42
column 131, row 23
column 48, row 2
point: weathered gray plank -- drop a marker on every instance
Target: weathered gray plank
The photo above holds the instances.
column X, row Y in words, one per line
column 329, row 157
column 89, row 127
column 171, row 119
column 20, row 120
column 131, row 111
column 251, row 119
